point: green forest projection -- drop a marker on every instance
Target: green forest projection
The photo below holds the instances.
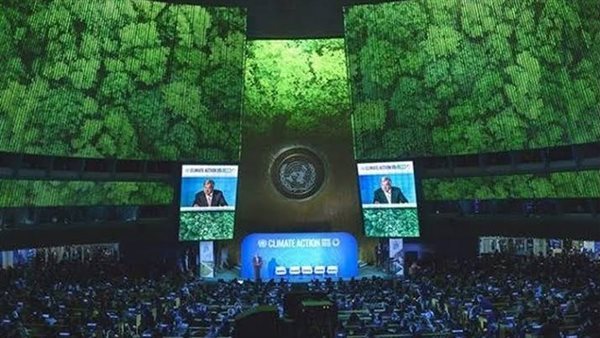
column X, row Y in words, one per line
column 121, row 79
column 19, row 193
column 438, row 77
column 393, row 222
column 206, row 225
column 555, row 185
column 298, row 84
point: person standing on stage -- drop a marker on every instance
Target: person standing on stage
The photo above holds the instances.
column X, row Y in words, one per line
column 378, row 254
column 257, row 263
column 224, row 258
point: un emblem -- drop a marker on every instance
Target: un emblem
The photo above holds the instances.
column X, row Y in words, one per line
column 262, row 243
column 297, row 173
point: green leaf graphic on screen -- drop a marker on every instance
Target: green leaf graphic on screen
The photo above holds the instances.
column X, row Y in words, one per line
column 457, row 77
column 302, row 83
column 207, row 225
column 554, row 185
column 395, row 222
column 18, row 193
column 127, row 79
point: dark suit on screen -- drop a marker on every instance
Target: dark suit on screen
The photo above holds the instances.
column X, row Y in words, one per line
column 218, row 199
column 397, row 196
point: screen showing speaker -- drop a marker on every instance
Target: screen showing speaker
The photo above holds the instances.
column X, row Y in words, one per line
column 207, row 202
column 389, row 199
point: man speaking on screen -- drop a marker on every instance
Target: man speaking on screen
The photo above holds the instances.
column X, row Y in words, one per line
column 209, row 196
column 388, row 194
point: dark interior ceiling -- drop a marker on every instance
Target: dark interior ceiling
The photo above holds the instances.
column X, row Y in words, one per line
column 289, row 19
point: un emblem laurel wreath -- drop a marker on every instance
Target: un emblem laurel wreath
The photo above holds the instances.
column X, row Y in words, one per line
column 298, row 176
column 297, row 173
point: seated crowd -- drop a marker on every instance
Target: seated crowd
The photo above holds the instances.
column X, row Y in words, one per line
column 488, row 296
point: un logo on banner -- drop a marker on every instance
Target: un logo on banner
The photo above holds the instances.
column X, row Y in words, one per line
column 297, row 173
column 262, row 243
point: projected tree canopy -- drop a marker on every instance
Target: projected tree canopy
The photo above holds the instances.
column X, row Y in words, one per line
column 300, row 84
column 554, row 185
column 451, row 77
column 120, row 78
column 137, row 79
column 16, row 193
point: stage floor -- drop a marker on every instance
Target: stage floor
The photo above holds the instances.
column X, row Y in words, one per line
column 366, row 271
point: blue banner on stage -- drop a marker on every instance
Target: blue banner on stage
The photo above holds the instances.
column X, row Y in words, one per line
column 301, row 256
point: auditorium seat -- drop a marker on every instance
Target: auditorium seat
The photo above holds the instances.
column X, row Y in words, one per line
column 320, row 270
column 307, row 270
column 280, row 271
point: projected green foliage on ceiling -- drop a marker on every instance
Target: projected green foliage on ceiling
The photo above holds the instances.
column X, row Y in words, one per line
column 121, row 78
column 436, row 77
column 19, row 193
column 579, row 184
column 297, row 84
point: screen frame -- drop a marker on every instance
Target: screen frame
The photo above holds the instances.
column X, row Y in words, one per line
column 177, row 197
column 418, row 191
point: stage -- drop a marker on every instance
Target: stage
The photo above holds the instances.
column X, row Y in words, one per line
column 299, row 258
column 366, row 271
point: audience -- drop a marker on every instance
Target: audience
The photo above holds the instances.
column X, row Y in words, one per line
column 487, row 296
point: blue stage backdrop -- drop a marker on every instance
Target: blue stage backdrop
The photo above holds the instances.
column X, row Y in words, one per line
column 369, row 183
column 300, row 256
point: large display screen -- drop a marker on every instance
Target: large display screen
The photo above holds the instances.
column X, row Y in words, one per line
column 456, row 77
column 299, row 256
column 207, row 203
column 300, row 84
column 578, row 184
column 30, row 193
column 135, row 79
column 389, row 199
